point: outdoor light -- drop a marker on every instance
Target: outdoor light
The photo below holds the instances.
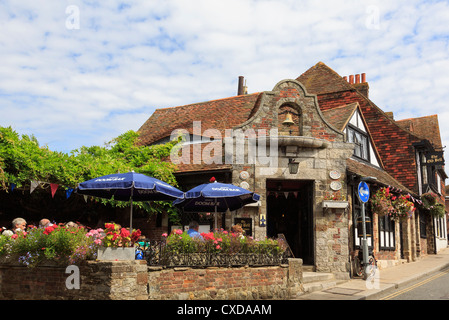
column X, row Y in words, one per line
column 293, row 166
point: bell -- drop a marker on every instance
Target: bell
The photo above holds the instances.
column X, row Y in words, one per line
column 288, row 120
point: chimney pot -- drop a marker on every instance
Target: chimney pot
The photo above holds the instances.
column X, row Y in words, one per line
column 363, row 77
column 357, row 78
column 351, row 79
column 240, row 89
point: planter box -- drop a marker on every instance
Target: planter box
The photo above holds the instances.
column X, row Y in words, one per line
column 119, row 254
column 332, row 204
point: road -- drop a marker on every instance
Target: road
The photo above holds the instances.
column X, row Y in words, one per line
column 434, row 287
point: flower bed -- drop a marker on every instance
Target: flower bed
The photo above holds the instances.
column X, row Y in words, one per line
column 221, row 248
column 61, row 245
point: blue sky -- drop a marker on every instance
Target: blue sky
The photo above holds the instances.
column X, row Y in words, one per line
column 82, row 72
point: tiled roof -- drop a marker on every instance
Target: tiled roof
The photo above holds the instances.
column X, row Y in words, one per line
column 364, row 170
column 393, row 143
column 340, row 116
column 216, row 114
column 321, row 79
column 425, row 127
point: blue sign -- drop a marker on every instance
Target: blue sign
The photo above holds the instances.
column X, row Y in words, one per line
column 363, row 191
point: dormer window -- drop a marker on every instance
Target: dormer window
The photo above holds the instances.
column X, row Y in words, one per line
column 360, row 139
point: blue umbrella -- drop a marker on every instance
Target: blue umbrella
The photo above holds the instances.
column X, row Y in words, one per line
column 128, row 187
column 216, row 197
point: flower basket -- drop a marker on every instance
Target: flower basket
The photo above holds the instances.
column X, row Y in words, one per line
column 403, row 208
column 431, row 204
column 438, row 210
column 381, row 202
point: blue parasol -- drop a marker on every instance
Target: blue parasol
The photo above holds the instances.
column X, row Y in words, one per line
column 128, row 187
column 216, row 197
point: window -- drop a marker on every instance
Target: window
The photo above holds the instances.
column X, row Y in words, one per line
column 422, row 225
column 386, row 233
column 360, row 140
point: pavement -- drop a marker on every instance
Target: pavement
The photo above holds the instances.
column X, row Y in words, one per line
column 386, row 281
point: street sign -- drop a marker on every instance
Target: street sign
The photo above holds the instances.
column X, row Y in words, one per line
column 363, row 191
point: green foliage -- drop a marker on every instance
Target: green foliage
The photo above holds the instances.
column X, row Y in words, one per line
column 23, row 160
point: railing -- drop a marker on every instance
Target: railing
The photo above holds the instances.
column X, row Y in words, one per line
column 155, row 255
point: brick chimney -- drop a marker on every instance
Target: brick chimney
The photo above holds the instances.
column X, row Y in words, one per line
column 241, row 88
column 359, row 82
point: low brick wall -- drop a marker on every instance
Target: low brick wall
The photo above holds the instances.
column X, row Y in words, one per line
column 279, row 282
column 122, row 280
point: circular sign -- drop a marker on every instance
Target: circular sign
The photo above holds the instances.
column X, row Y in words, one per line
column 244, row 185
column 335, row 174
column 335, row 185
column 363, row 191
column 244, row 175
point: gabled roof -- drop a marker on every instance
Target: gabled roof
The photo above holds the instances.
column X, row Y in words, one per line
column 391, row 140
column 340, row 116
column 321, row 79
column 218, row 114
column 425, row 127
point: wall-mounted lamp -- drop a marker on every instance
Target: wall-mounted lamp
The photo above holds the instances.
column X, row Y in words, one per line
column 293, row 166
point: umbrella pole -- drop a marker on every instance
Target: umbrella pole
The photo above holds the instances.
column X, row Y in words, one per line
column 131, row 213
column 216, row 218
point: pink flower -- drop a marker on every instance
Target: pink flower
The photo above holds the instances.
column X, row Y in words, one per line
column 97, row 241
column 218, row 247
column 178, row 231
column 165, row 235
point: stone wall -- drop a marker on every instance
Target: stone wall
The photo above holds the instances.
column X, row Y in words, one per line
column 98, row 280
column 133, row 280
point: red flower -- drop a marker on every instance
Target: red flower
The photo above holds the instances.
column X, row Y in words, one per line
column 124, row 233
column 212, row 179
column 49, row 230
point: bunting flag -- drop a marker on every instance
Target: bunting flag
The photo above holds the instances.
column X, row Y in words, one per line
column 34, row 185
column 85, row 198
column 53, row 187
column 286, row 195
column 68, row 192
column 295, row 193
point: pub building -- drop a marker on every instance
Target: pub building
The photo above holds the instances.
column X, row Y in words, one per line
column 303, row 147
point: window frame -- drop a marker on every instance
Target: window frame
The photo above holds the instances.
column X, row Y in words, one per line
column 387, row 233
column 362, row 146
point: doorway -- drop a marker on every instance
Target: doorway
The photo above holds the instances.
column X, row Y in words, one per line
column 290, row 212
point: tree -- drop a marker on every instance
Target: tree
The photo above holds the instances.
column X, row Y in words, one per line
column 22, row 160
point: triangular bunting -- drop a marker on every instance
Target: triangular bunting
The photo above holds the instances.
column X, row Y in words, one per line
column 286, row 195
column 53, row 187
column 295, row 193
column 33, row 186
column 68, row 192
column 85, row 198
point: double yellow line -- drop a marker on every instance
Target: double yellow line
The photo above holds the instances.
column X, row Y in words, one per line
column 398, row 293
